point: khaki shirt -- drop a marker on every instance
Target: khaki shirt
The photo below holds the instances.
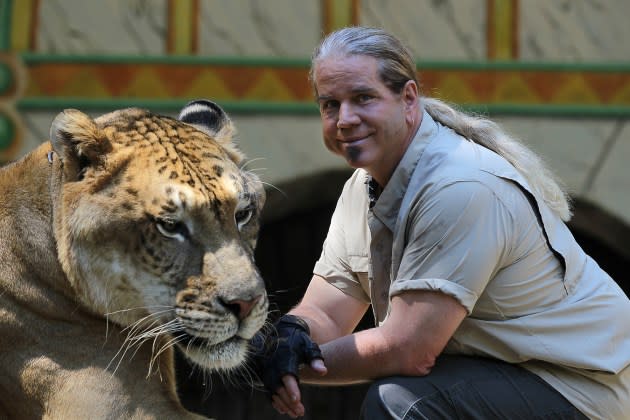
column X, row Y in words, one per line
column 457, row 218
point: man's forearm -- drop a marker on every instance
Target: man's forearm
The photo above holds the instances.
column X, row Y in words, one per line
column 355, row 358
column 323, row 329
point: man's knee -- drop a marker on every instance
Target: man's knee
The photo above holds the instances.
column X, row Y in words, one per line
column 375, row 404
column 387, row 399
column 465, row 387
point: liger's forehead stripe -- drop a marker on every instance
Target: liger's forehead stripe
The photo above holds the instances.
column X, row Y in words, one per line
column 185, row 156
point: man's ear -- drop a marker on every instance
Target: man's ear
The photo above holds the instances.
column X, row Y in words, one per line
column 410, row 93
column 77, row 141
column 411, row 98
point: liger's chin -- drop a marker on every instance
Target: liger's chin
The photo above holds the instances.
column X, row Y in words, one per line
column 225, row 355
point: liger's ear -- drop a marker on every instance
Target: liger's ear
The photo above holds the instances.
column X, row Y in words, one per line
column 206, row 116
column 77, row 141
column 210, row 118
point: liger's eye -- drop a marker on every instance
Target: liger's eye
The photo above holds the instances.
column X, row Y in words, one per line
column 172, row 229
column 243, row 216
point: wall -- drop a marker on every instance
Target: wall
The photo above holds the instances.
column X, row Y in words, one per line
column 554, row 72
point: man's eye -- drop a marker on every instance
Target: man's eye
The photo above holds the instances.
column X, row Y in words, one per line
column 243, row 216
column 363, row 98
column 172, row 229
column 329, row 105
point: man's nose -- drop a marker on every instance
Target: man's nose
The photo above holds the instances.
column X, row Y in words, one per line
column 347, row 116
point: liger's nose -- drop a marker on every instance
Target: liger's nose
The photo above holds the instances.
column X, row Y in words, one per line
column 242, row 308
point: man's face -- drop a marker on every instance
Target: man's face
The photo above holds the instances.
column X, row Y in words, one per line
column 362, row 120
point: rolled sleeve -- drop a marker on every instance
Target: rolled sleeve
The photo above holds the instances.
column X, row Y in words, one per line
column 343, row 281
column 465, row 297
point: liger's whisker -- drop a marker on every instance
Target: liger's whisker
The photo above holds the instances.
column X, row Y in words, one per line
column 142, row 326
column 170, row 343
column 250, row 161
column 137, row 308
column 275, row 188
column 139, row 332
column 157, row 331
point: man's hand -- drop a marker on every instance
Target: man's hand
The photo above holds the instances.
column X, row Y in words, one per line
column 294, row 347
column 278, row 360
column 288, row 399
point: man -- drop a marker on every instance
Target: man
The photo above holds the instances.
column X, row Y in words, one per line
column 485, row 306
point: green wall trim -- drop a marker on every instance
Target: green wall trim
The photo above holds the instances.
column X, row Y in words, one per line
column 5, row 24
column 35, row 58
column 174, row 105
column 294, row 108
column 616, row 67
column 552, row 111
column 287, row 108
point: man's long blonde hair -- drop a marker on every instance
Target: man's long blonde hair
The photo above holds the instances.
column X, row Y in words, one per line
column 396, row 67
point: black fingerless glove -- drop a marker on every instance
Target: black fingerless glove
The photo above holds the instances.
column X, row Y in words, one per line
column 283, row 351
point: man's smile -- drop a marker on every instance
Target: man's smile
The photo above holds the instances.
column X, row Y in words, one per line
column 353, row 141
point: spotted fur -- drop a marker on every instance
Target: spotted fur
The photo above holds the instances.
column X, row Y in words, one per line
column 121, row 237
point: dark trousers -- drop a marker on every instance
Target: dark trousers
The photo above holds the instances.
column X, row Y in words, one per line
column 461, row 387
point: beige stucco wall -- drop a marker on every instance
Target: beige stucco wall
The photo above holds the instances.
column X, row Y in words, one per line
column 589, row 155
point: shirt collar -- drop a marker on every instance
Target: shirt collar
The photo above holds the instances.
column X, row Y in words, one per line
column 387, row 206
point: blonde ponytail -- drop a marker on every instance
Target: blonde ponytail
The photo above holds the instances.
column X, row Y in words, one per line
column 488, row 134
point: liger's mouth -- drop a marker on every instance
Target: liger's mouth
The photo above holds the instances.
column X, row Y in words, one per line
column 188, row 341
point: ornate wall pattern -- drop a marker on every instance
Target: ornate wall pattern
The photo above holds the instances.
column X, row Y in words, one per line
column 553, row 71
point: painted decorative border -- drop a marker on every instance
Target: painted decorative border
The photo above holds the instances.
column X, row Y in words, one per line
column 278, row 85
column 281, row 85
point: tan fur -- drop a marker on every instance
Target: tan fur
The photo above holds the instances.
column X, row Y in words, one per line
column 130, row 230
